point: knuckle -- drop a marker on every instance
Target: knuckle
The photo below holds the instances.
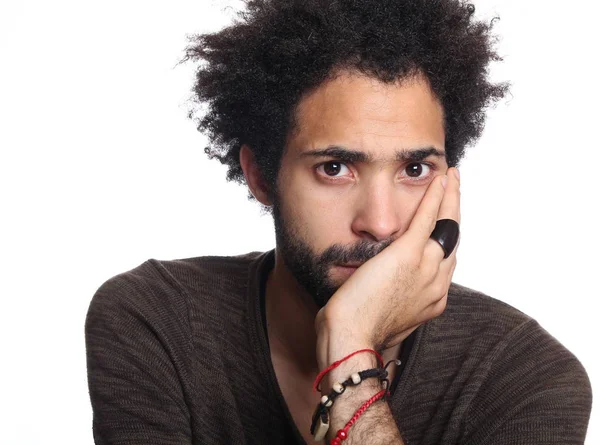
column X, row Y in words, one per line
column 412, row 263
column 440, row 290
column 440, row 306
column 449, row 282
column 451, row 265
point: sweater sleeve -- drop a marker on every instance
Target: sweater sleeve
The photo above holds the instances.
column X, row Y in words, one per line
column 134, row 362
column 537, row 393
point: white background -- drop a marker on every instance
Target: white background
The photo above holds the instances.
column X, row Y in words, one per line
column 100, row 169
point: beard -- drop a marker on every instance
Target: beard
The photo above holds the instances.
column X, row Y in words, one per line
column 311, row 269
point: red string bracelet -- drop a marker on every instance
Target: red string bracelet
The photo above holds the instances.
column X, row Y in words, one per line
column 337, row 363
column 343, row 433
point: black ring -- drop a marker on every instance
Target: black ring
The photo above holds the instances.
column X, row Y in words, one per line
column 446, row 233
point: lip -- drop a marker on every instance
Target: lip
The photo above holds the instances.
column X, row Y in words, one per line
column 346, row 270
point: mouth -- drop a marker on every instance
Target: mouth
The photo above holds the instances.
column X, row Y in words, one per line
column 347, row 269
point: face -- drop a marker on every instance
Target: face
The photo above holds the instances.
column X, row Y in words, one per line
column 353, row 174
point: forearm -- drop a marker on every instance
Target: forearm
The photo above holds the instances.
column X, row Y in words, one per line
column 376, row 425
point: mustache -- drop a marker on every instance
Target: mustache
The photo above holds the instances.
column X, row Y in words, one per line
column 358, row 253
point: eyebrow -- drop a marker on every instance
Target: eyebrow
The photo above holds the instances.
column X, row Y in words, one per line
column 348, row 155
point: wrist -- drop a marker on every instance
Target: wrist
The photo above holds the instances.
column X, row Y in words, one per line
column 345, row 370
column 352, row 356
column 334, row 344
column 331, row 348
column 341, row 358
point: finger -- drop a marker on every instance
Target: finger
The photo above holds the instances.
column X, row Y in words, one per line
column 425, row 217
column 451, row 272
column 438, row 290
column 447, row 269
column 449, row 209
column 438, row 266
column 437, row 308
column 450, row 206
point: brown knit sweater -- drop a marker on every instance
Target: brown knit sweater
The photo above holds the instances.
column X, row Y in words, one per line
column 177, row 354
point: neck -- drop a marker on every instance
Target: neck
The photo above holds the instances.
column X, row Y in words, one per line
column 290, row 313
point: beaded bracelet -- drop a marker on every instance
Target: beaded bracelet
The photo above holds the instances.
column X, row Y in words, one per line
column 339, row 362
column 320, row 419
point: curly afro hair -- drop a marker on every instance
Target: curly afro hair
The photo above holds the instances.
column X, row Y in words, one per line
column 252, row 75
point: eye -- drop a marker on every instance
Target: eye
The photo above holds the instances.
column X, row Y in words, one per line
column 333, row 169
column 417, row 170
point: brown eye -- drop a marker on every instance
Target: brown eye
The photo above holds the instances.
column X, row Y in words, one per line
column 332, row 168
column 334, row 171
column 414, row 170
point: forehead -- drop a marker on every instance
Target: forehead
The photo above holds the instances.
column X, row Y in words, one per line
column 364, row 113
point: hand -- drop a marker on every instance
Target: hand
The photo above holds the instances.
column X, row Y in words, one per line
column 399, row 289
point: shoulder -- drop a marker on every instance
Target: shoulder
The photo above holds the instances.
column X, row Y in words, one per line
column 163, row 290
column 482, row 306
column 499, row 343
column 214, row 270
column 502, row 330
column 516, row 369
column 154, row 277
column 473, row 314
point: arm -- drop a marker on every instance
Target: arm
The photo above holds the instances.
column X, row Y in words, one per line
column 535, row 392
column 134, row 383
column 377, row 425
column 386, row 299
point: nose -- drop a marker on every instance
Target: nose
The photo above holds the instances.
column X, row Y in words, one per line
column 377, row 213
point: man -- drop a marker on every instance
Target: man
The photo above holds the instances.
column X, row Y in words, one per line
column 347, row 119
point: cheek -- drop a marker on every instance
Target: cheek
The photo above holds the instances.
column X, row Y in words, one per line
column 411, row 199
column 319, row 216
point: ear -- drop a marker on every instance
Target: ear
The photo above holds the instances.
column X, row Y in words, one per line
column 256, row 183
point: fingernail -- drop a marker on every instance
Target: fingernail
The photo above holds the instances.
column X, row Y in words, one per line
column 444, row 181
column 457, row 174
